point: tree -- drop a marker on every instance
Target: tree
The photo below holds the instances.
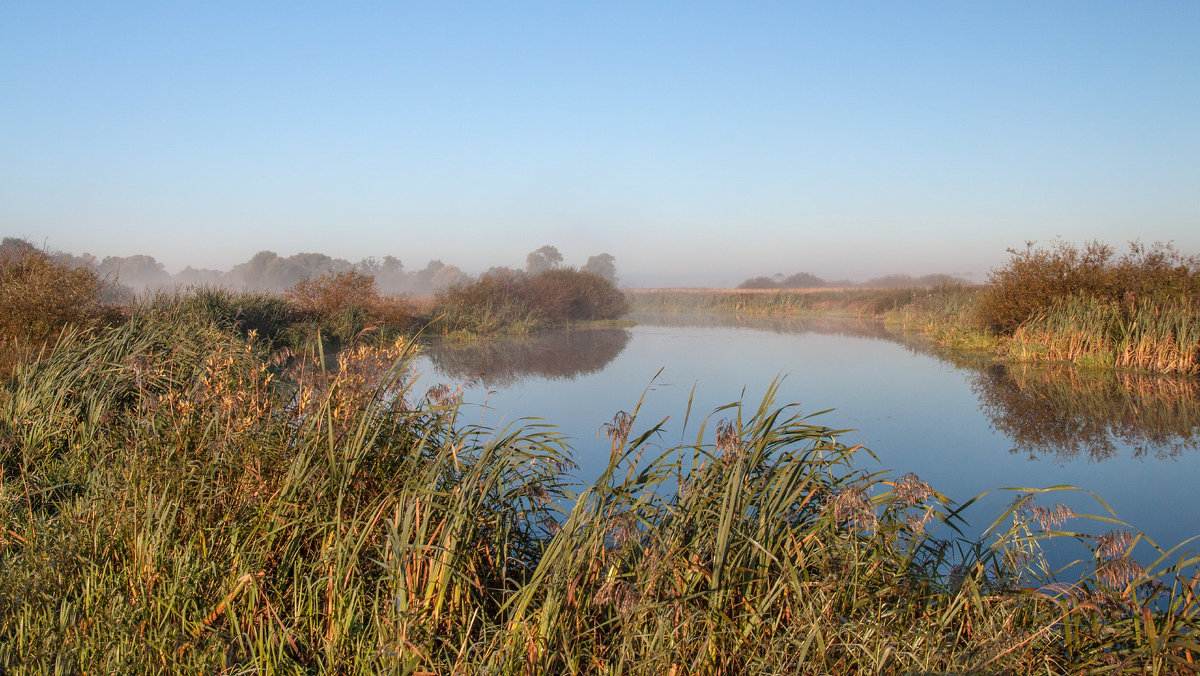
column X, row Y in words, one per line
column 802, row 280
column 135, row 271
column 604, row 265
column 545, row 258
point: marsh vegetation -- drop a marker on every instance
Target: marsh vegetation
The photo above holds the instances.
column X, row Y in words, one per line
column 212, row 480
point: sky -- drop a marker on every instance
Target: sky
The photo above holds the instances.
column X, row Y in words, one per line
column 698, row 143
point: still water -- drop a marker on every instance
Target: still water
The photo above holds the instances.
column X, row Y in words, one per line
column 964, row 426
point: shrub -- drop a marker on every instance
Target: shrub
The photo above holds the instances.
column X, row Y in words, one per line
column 345, row 303
column 567, row 294
column 510, row 300
column 1035, row 277
column 39, row 297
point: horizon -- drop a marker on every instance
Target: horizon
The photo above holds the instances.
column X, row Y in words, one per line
column 699, row 146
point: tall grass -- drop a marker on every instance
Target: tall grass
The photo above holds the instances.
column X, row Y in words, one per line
column 177, row 497
column 854, row 301
column 1161, row 336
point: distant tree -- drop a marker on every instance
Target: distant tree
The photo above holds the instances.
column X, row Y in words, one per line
column 447, row 276
column 368, row 266
column 604, row 265
column 421, row 281
column 14, row 250
column 502, row 273
column 545, row 258
column 190, row 276
column 391, row 276
column 135, row 271
column 801, row 280
column 758, row 283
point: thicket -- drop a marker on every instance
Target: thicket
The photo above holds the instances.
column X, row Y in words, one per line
column 513, row 301
column 1036, row 278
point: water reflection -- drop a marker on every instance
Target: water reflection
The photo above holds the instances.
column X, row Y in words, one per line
column 501, row 362
column 833, row 326
column 1046, row 411
column 1064, row 413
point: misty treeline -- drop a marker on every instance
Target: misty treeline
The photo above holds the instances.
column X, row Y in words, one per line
column 269, row 271
column 805, row 280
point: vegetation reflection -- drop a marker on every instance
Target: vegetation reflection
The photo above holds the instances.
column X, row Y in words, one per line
column 503, row 361
column 1062, row 412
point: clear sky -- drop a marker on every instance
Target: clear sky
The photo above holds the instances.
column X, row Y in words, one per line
column 698, row 143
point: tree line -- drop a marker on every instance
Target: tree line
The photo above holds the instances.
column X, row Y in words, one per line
column 805, row 280
column 269, row 271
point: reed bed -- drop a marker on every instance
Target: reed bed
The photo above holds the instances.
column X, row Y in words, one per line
column 182, row 497
column 1161, row 336
column 848, row 301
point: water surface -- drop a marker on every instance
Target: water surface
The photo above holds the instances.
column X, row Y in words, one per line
column 965, row 426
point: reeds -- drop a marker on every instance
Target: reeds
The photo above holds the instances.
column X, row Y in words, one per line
column 1153, row 335
column 180, row 497
column 852, row 301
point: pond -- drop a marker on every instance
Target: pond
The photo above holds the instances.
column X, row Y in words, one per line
column 965, row 426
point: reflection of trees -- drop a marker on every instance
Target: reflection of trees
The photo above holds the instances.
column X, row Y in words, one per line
column 1062, row 412
column 504, row 361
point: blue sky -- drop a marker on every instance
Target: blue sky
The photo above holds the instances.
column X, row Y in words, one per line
column 699, row 143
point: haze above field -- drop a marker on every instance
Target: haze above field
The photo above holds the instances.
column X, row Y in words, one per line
column 699, row 144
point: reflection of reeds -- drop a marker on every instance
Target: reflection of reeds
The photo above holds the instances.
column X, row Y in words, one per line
column 504, row 360
column 1061, row 411
column 854, row 327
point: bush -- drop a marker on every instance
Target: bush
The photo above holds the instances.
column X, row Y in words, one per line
column 512, row 300
column 346, row 303
column 1035, row 278
column 39, row 297
column 567, row 294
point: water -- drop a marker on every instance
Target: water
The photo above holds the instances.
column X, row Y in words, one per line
column 965, row 427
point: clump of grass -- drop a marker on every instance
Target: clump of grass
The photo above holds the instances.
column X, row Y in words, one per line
column 857, row 302
column 268, row 315
column 175, row 497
